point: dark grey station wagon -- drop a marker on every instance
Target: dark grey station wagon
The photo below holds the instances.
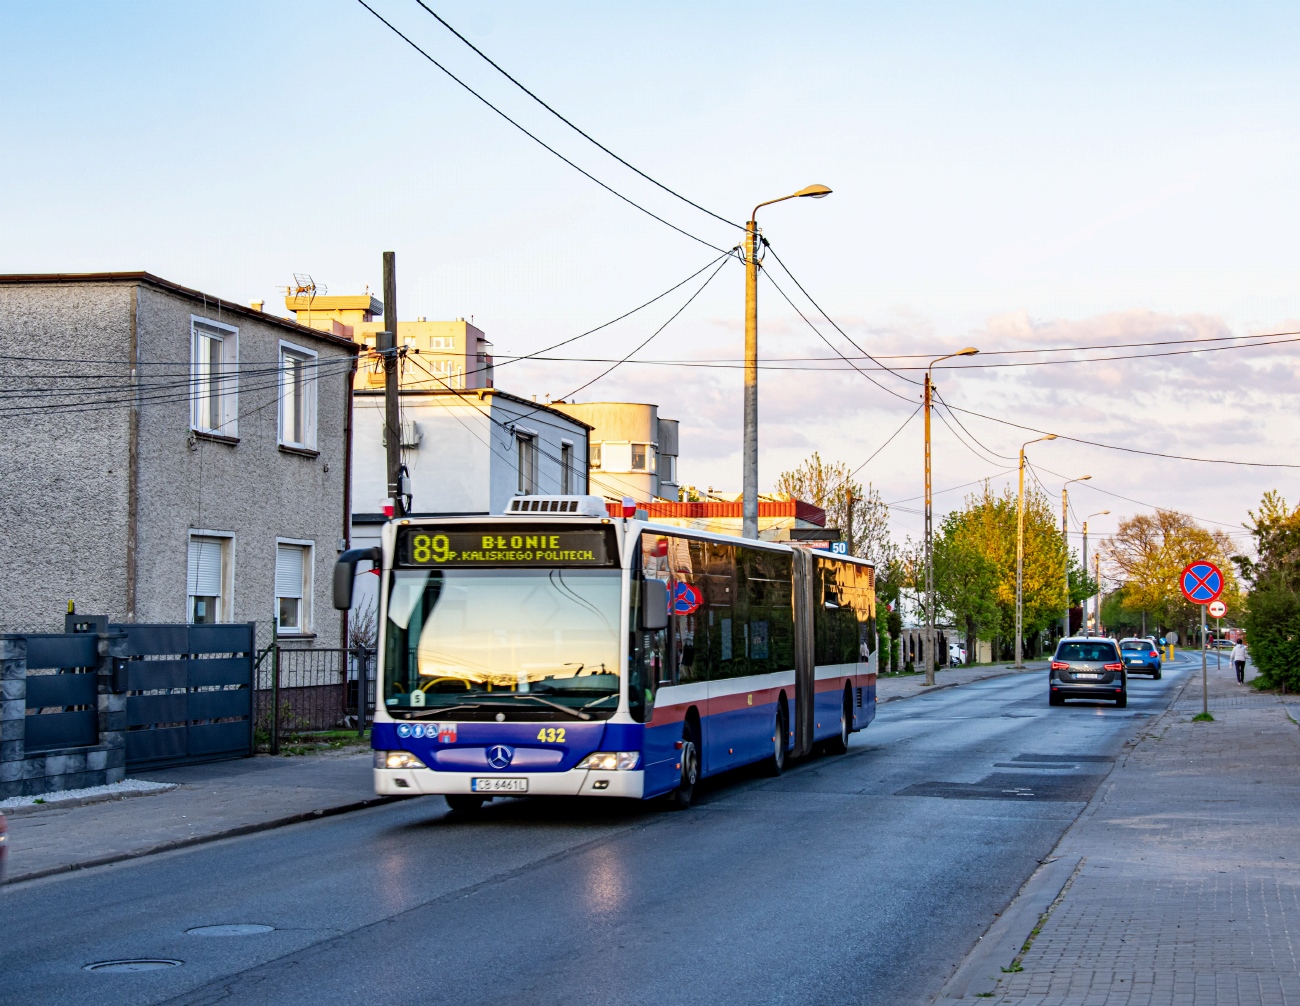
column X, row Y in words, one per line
column 1087, row 668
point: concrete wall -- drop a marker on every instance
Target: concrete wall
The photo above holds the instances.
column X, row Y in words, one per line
column 253, row 489
column 63, row 482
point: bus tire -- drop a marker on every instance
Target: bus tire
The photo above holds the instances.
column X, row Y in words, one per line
column 680, row 798
column 464, row 803
column 840, row 743
column 775, row 763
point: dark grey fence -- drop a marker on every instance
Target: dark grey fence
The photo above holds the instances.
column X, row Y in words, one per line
column 189, row 693
column 62, row 701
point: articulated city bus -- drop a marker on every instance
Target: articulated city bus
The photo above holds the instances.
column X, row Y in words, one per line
column 558, row 651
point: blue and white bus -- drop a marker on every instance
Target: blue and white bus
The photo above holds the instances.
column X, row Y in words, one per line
column 558, row 651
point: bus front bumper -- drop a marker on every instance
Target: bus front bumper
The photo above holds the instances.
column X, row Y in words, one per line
column 575, row 782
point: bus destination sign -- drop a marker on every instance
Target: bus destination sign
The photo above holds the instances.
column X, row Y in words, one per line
column 502, row 545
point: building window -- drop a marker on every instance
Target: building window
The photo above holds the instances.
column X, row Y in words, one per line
column 668, row 468
column 638, row 457
column 566, row 468
column 593, row 453
column 292, row 587
column 527, row 460
column 297, row 396
column 442, row 342
column 214, row 377
column 205, row 580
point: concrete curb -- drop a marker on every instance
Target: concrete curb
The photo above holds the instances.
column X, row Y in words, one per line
column 979, row 973
column 185, row 843
column 85, row 801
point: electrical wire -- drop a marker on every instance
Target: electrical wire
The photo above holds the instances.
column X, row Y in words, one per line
column 532, row 136
column 586, row 136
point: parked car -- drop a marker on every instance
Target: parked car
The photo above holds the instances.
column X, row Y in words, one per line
column 1140, row 655
column 956, row 656
column 1087, row 668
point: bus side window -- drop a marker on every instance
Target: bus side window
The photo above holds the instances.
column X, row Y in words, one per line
column 647, row 659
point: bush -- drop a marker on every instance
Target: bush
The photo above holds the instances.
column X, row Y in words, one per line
column 1273, row 634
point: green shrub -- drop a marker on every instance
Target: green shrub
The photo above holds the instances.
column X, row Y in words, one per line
column 1273, row 634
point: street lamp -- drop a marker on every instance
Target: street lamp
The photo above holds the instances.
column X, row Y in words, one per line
column 749, row 524
column 1065, row 537
column 1099, row 513
column 1020, row 552
column 928, row 650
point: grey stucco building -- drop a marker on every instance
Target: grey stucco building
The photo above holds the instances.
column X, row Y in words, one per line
column 168, row 456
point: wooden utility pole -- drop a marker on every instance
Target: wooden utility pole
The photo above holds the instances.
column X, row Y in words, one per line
column 386, row 344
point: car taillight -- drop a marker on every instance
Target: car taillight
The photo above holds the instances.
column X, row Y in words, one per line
column 1114, row 667
column 1059, row 666
column 1153, row 653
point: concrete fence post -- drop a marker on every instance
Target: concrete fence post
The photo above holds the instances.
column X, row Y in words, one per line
column 13, row 714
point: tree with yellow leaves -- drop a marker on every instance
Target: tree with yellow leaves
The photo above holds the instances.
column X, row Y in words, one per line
column 1148, row 552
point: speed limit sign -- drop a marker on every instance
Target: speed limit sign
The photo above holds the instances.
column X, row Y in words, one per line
column 1217, row 609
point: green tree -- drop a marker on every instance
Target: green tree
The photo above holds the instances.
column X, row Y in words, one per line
column 987, row 525
column 966, row 581
column 1273, row 607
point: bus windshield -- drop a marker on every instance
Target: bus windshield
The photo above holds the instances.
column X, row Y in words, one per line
column 482, row 644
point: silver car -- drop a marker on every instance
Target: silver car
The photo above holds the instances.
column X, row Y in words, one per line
column 1087, row 668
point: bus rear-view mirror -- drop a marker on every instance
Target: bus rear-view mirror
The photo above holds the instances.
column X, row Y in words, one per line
column 345, row 572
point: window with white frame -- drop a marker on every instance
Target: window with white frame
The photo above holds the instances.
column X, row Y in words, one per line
column 214, row 377
column 526, row 446
column 297, row 396
column 566, row 468
column 293, row 586
column 207, row 595
column 593, row 455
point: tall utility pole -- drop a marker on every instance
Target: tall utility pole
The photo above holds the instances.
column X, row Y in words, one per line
column 386, row 344
column 1088, row 599
column 1096, row 571
column 928, row 650
column 1020, row 553
column 749, row 446
column 1065, row 539
column 749, row 475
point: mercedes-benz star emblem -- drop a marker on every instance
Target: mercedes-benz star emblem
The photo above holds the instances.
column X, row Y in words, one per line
column 499, row 756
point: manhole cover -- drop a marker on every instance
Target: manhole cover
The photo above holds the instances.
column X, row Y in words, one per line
column 238, row 929
column 139, row 964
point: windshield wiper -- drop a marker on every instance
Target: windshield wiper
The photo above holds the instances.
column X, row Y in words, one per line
column 434, row 713
column 603, row 698
column 554, row 705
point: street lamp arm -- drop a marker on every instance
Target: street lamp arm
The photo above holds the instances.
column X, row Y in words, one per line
column 815, row 191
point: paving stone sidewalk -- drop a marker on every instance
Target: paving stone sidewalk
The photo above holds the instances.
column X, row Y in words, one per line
column 1189, row 887
column 210, row 801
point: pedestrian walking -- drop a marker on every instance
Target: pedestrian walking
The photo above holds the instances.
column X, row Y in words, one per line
column 1239, row 660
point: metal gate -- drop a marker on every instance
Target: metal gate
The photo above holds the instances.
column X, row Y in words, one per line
column 189, row 693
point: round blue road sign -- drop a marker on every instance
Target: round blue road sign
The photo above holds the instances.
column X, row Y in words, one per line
column 1202, row 582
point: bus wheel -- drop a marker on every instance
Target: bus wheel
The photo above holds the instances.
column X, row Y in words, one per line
column 464, row 803
column 775, row 765
column 680, row 798
column 840, row 744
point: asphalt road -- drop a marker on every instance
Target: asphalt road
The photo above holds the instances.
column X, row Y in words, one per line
column 862, row 878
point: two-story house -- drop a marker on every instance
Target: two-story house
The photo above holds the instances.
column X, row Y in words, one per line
column 169, row 456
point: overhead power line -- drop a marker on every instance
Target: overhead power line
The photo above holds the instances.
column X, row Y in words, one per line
column 533, row 136
column 585, row 135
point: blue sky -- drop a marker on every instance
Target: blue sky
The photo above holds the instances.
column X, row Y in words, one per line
column 1007, row 175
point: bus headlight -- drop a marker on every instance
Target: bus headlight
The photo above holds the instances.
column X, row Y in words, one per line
column 397, row 759
column 611, row 761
